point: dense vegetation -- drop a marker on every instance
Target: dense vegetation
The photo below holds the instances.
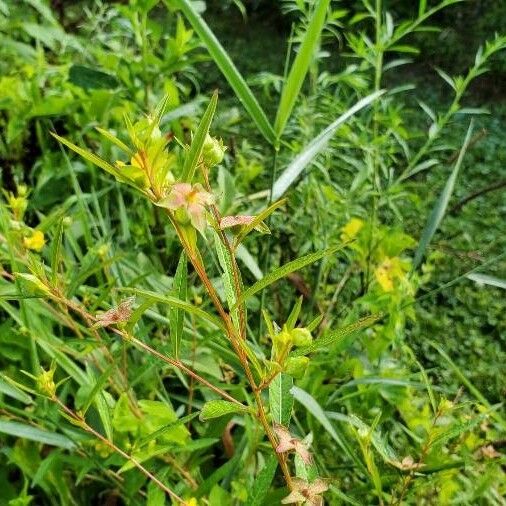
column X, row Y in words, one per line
column 252, row 252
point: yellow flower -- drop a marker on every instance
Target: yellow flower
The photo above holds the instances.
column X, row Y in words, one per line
column 36, row 241
column 351, row 229
column 389, row 270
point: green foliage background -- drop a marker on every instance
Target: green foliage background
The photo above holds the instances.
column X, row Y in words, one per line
column 425, row 382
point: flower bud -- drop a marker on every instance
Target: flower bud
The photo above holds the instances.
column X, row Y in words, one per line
column 296, row 366
column 45, row 382
column 283, row 339
column 213, row 151
column 301, row 337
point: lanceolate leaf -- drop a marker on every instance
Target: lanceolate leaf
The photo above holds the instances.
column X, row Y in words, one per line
column 300, row 66
column 282, row 271
column 302, row 160
column 195, row 151
column 227, row 67
column 281, row 399
column 173, row 302
column 87, row 155
column 215, row 409
column 35, row 434
column 8, row 387
column 439, row 209
column 176, row 314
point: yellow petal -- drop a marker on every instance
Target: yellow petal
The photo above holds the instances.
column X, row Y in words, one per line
column 352, row 228
column 36, row 241
column 384, row 277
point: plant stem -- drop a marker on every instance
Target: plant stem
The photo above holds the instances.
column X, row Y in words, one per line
column 81, row 422
column 238, row 347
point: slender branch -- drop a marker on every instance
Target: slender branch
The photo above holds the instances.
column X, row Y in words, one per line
column 478, row 193
column 81, row 422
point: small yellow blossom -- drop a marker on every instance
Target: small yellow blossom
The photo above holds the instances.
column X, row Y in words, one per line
column 387, row 272
column 351, row 229
column 36, row 241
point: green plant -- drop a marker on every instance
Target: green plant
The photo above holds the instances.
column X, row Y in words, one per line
column 132, row 304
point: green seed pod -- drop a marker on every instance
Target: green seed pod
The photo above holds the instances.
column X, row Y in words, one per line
column 301, row 337
column 213, row 151
column 296, row 366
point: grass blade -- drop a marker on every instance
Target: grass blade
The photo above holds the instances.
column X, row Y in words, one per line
column 439, row 209
column 300, row 66
column 468, row 384
column 229, row 70
column 310, row 403
column 484, row 279
column 302, row 160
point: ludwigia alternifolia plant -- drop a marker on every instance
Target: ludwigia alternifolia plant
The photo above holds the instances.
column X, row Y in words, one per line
column 177, row 179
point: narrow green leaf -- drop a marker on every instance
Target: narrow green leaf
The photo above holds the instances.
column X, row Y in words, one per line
column 262, row 482
column 56, row 251
column 114, row 140
column 300, row 66
column 176, row 314
column 338, row 336
column 291, row 321
column 8, row 387
column 439, row 209
column 281, row 399
column 227, row 67
column 228, row 279
column 217, row 408
column 310, row 403
column 173, row 302
column 87, row 155
column 35, row 434
column 303, row 159
column 193, row 155
column 282, row 271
